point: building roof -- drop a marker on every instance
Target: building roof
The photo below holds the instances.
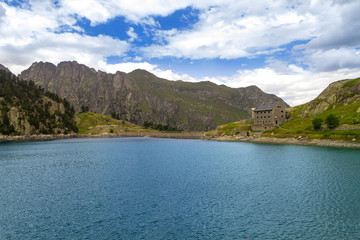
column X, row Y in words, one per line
column 266, row 106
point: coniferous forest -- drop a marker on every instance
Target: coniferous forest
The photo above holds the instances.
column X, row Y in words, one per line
column 26, row 108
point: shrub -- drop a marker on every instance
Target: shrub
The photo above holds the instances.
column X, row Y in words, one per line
column 326, row 136
column 332, row 121
column 317, row 122
column 84, row 109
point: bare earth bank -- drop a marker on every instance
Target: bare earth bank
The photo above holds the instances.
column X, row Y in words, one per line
column 42, row 137
column 290, row 141
column 191, row 135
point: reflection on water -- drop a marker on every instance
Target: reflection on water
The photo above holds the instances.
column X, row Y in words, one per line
column 134, row 188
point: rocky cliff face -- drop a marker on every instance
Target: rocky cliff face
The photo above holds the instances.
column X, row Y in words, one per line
column 141, row 96
column 340, row 93
column 25, row 109
column 2, row 67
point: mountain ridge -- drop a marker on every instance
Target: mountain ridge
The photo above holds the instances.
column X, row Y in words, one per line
column 340, row 99
column 141, row 96
column 340, row 92
column 2, row 67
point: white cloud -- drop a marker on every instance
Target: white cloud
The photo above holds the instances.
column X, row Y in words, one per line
column 332, row 59
column 126, row 67
column 237, row 29
column 131, row 66
column 132, row 34
column 23, row 41
column 337, row 25
column 247, row 29
column 138, row 58
column 296, row 86
column 98, row 11
column 2, row 13
column 227, row 29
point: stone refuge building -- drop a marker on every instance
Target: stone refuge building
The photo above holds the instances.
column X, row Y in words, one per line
column 268, row 115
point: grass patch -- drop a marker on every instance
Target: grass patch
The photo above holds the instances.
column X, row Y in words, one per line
column 230, row 129
column 92, row 123
column 351, row 83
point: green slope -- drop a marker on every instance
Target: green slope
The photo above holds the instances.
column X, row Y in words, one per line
column 231, row 129
column 189, row 103
column 92, row 123
column 341, row 98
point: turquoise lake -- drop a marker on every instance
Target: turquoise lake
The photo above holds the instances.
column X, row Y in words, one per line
column 146, row 188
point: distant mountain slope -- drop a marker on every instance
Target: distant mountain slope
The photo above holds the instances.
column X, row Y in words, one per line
column 141, row 96
column 25, row 109
column 2, row 67
column 336, row 95
column 93, row 123
column 341, row 98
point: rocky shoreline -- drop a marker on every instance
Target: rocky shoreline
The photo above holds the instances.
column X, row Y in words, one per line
column 43, row 137
column 290, row 141
column 190, row 135
column 175, row 135
column 40, row 137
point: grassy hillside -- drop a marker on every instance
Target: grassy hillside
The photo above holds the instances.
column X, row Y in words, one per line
column 341, row 98
column 231, row 129
column 92, row 123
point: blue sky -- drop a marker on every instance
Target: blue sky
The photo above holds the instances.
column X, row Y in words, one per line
column 290, row 48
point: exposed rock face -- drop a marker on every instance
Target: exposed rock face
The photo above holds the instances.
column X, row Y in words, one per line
column 2, row 67
column 25, row 109
column 336, row 94
column 141, row 96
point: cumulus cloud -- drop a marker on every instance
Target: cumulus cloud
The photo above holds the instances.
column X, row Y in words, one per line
column 296, row 87
column 295, row 84
column 131, row 66
column 126, row 67
column 136, row 10
column 333, row 59
column 337, row 25
column 237, row 29
column 132, row 34
column 226, row 29
column 2, row 13
column 242, row 29
column 24, row 41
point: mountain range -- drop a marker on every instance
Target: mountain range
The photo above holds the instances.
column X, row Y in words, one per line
column 140, row 96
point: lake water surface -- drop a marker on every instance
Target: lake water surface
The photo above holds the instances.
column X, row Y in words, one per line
column 145, row 188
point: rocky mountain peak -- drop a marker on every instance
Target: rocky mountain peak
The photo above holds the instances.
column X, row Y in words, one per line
column 141, row 96
column 2, row 67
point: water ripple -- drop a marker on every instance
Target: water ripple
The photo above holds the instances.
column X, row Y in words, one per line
column 137, row 188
